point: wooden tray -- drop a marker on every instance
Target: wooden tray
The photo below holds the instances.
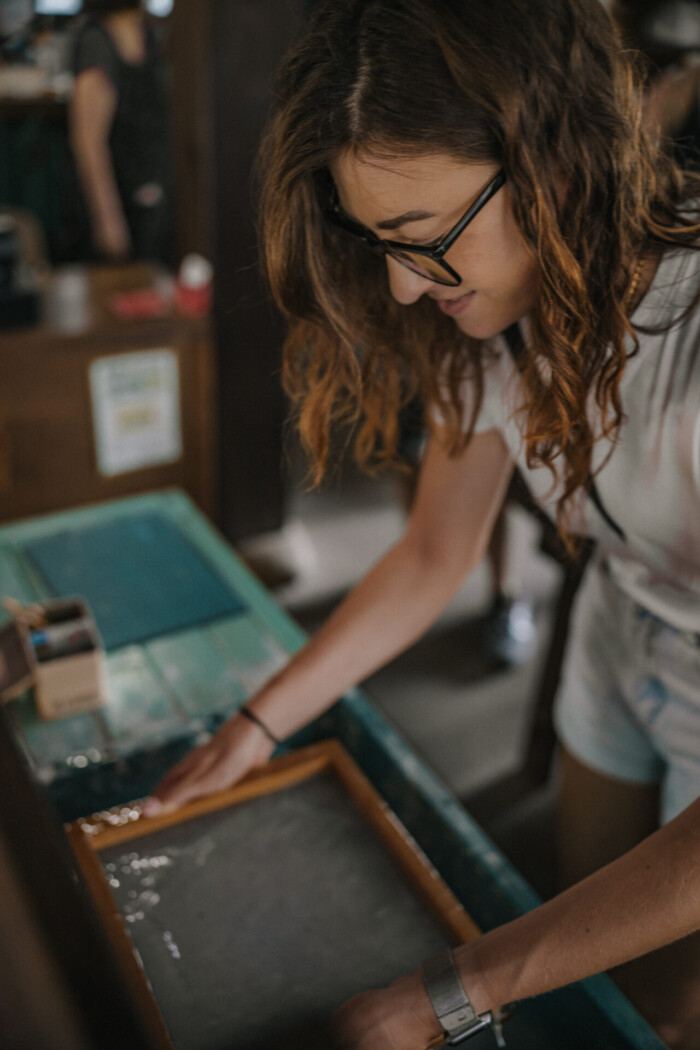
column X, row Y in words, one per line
column 348, row 861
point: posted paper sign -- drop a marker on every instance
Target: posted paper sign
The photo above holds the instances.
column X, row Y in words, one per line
column 136, row 410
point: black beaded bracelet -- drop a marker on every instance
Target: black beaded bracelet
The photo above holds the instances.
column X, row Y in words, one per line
column 260, row 724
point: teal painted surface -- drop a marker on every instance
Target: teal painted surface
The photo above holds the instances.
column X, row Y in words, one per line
column 142, row 710
column 119, row 566
column 164, row 692
column 201, row 679
column 71, row 744
column 163, row 695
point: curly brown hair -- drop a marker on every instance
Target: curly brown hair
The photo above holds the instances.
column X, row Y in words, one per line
column 541, row 87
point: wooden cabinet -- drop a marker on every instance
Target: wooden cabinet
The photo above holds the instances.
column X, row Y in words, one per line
column 49, row 457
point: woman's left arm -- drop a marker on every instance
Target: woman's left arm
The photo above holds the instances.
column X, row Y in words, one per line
column 644, row 900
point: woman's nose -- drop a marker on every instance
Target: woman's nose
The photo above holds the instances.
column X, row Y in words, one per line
column 405, row 285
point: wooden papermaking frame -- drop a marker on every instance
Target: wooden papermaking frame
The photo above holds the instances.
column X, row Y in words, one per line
column 89, row 835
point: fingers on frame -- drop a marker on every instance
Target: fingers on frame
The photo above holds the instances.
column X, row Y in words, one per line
column 194, row 765
column 202, row 776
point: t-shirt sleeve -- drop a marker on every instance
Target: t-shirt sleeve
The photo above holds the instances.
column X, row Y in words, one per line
column 94, row 50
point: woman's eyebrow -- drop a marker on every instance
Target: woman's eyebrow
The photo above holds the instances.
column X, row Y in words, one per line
column 408, row 216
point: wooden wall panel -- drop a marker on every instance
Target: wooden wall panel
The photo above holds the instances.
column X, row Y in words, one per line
column 225, row 54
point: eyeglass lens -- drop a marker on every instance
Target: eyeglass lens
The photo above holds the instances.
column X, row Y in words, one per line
column 423, row 266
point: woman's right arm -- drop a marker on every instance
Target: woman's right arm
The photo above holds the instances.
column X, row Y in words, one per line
column 456, row 504
column 92, row 108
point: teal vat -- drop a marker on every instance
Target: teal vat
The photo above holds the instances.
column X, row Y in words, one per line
column 166, row 691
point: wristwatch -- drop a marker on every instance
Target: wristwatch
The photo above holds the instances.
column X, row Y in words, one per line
column 459, row 1019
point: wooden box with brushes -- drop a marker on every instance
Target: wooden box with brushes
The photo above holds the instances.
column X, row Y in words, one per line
column 55, row 646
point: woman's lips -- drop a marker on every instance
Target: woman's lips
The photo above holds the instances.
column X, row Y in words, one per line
column 454, row 307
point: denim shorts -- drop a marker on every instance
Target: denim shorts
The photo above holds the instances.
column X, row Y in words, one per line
column 629, row 701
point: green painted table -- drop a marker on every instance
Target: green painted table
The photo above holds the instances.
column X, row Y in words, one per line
column 163, row 694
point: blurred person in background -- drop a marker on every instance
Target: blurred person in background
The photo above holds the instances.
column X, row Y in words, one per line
column 667, row 34
column 119, row 134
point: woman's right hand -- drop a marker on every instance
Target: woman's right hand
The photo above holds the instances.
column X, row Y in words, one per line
column 112, row 237
column 238, row 747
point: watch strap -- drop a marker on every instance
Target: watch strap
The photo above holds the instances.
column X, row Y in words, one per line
column 451, row 1003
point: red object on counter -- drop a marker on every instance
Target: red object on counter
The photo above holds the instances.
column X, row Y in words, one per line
column 194, row 302
column 138, row 304
column 193, row 287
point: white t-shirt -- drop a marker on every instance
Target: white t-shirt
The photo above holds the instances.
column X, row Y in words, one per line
column 650, row 485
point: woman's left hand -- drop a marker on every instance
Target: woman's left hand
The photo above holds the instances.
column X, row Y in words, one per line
column 399, row 1017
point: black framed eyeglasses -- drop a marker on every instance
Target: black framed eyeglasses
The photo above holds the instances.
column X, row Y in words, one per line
column 425, row 260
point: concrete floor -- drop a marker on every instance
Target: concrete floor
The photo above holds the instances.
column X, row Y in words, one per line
column 466, row 718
